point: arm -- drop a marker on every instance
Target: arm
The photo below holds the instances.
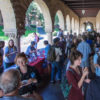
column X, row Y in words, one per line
column 6, row 52
column 85, row 73
column 80, row 83
column 33, row 51
column 75, row 84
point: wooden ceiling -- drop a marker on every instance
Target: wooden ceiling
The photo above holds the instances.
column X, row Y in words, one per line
column 91, row 7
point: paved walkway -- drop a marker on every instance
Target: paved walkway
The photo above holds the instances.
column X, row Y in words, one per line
column 52, row 92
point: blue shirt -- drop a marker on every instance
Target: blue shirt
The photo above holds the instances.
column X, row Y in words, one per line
column 28, row 51
column 85, row 49
column 95, row 58
column 10, row 58
column 47, row 48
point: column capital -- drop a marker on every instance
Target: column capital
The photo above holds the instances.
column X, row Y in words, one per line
column 11, row 33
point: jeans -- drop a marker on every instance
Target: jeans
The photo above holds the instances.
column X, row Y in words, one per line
column 55, row 65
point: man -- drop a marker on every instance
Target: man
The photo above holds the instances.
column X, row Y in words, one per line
column 56, row 63
column 60, row 33
column 10, row 83
column 46, row 62
column 31, row 49
column 85, row 49
column 47, row 47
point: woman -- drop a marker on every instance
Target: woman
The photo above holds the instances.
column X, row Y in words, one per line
column 74, row 76
column 10, row 54
column 29, row 75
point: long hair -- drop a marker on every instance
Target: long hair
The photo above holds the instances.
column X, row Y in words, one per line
column 14, row 48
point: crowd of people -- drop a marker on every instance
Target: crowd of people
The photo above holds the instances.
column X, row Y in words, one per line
column 78, row 56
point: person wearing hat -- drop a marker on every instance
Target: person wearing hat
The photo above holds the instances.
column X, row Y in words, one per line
column 31, row 49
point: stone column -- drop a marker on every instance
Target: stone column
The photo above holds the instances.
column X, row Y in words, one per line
column 49, row 36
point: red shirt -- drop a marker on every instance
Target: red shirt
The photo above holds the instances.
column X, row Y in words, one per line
column 75, row 92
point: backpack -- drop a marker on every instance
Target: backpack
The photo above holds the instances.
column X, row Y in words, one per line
column 65, row 87
column 51, row 54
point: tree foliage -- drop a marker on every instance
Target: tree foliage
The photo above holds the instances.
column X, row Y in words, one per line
column 33, row 13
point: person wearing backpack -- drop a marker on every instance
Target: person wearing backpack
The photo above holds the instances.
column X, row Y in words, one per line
column 74, row 77
column 56, row 53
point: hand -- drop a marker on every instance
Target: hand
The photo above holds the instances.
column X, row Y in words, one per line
column 32, row 81
column 32, row 51
column 12, row 53
column 87, row 81
column 23, row 83
column 85, row 72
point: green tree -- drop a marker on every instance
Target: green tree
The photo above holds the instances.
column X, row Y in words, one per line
column 56, row 20
column 33, row 13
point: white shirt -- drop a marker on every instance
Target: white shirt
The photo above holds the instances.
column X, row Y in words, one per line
column 58, row 54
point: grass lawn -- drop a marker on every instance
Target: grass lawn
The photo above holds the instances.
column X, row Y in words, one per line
column 27, row 32
column 2, row 36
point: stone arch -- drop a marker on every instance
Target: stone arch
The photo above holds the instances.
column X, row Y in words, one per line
column 61, row 19
column 73, row 24
column 76, row 27
column 8, row 16
column 68, row 23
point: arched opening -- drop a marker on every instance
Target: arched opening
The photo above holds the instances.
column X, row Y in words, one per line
column 59, row 19
column 89, row 26
column 68, row 23
column 58, row 23
column 38, row 20
column 76, row 27
column 73, row 25
column 8, row 16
